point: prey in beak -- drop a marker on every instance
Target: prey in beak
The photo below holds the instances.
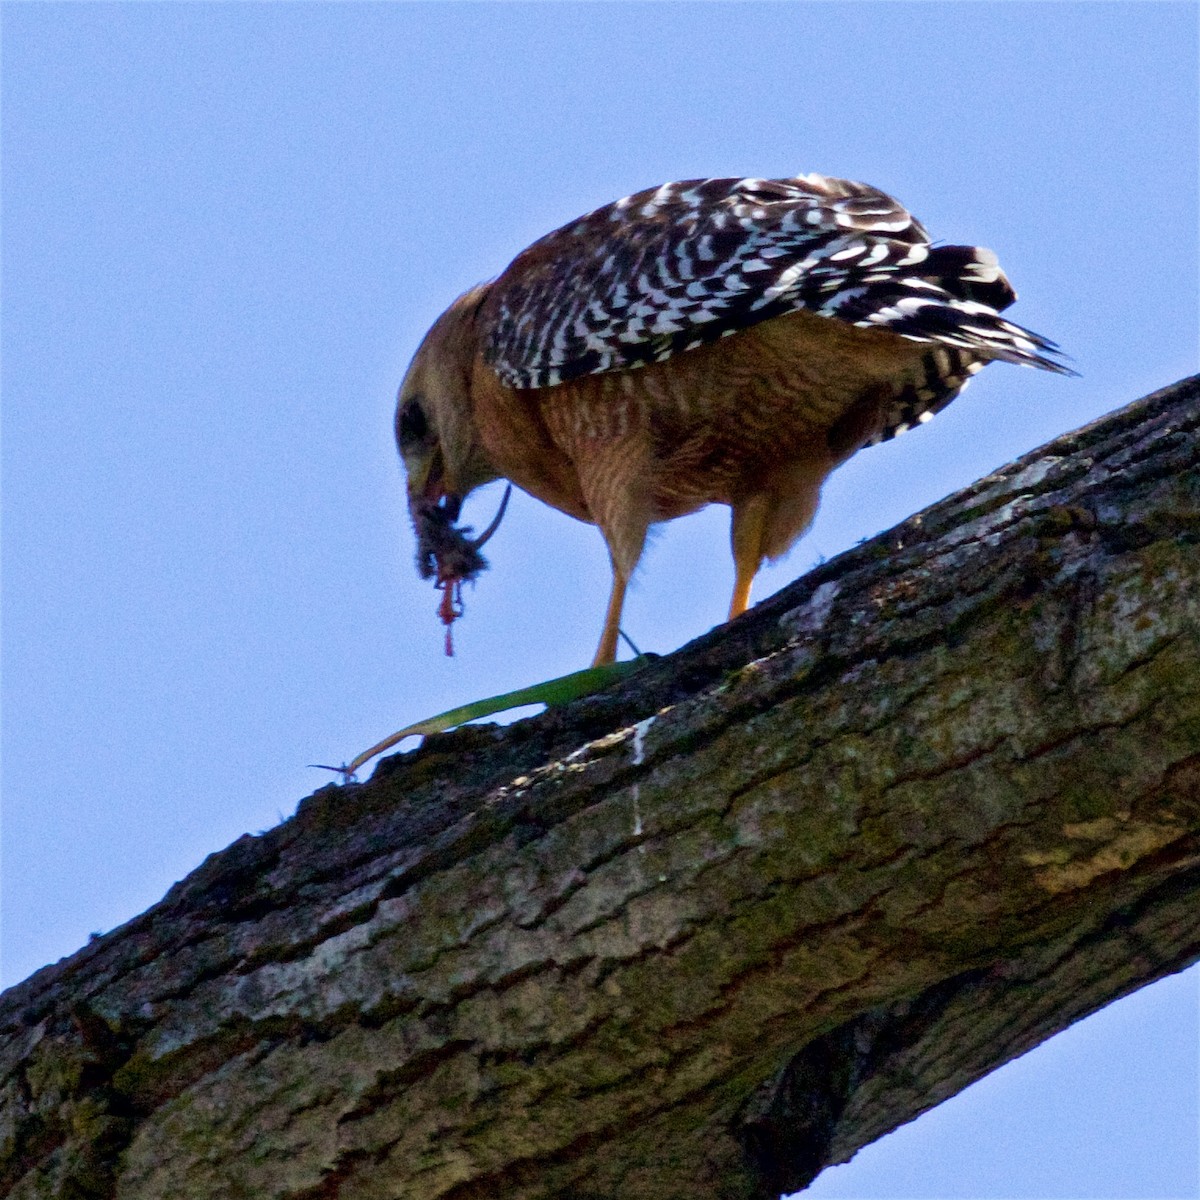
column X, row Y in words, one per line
column 447, row 554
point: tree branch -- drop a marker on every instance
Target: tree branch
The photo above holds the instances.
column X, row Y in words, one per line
column 705, row 933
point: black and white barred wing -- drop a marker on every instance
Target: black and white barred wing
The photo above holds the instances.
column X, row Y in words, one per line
column 685, row 264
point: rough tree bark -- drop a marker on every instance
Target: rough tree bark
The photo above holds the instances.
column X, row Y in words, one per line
column 703, row 934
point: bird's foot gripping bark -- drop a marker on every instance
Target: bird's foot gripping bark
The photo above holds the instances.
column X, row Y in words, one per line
column 447, row 554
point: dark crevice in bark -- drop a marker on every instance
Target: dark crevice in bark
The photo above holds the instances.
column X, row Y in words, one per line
column 789, row 1128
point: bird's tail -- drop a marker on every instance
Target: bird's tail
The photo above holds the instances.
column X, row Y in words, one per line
column 956, row 300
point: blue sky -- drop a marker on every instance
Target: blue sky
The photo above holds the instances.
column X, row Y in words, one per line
column 226, row 227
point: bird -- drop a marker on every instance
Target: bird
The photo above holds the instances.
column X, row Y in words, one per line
column 721, row 340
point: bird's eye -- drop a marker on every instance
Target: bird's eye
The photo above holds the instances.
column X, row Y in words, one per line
column 412, row 424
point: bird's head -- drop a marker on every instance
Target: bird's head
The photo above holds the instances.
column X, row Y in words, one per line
column 436, row 433
column 443, row 453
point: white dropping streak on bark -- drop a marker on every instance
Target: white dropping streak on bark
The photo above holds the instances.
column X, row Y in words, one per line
column 639, row 739
column 639, row 756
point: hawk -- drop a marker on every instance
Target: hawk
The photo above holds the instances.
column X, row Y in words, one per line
column 725, row 341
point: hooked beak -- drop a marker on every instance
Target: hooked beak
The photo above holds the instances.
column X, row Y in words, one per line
column 450, row 505
column 427, row 489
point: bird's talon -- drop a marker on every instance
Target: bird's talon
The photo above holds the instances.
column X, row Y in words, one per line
column 347, row 774
column 629, row 642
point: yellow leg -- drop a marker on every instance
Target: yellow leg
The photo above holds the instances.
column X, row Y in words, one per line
column 606, row 652
column 749, row 523
column 741, row 593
